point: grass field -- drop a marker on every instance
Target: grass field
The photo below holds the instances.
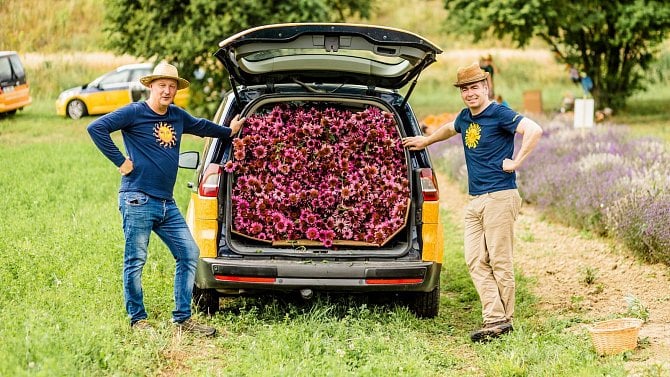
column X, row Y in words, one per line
column 63, row 308
column 60, row 239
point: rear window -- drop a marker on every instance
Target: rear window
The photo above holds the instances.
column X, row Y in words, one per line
column 5, row 69
column 17, row 66
column 11, row 69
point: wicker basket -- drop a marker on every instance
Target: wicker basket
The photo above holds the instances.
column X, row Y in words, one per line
column 616, row 335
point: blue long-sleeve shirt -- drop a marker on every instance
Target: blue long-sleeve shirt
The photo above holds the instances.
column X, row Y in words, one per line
column 152, row 143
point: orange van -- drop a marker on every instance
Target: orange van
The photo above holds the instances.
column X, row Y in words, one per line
column 14, row 89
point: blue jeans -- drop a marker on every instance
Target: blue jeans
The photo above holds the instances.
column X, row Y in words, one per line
column 142, row 214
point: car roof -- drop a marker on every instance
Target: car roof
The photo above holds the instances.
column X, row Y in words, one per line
column 135, row 66
column 338, row 53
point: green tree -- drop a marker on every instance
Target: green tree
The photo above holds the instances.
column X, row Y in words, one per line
column 187, row 33
column 613, row 41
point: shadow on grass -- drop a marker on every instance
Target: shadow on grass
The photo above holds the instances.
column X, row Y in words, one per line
column 281, row 306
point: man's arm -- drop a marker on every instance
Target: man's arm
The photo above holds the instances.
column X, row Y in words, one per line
column 100, row 131
column 205, row 128
column 415, row 143
column 531, row 132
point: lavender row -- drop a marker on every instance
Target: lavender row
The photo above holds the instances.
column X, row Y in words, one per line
column 601, row 179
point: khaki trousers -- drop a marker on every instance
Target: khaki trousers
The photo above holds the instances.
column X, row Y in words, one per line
column 489, row 236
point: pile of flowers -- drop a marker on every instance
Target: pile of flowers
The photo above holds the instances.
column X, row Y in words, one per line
column 322, row 174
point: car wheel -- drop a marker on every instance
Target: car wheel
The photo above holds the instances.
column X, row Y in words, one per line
column 76, row 109
column 206, row 300
column 425, row 304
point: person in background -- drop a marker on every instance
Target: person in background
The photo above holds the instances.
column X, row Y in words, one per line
column 587, row 84
column 487, row 130
column 486, row 64
column 568, row 103
column 501, row 101
column 574, row 74
column 152, row 132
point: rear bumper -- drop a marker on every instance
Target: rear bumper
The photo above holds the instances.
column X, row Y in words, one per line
column 15, row 103
column 235, row 276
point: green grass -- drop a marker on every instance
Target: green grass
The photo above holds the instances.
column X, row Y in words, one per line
column 62, row 306
column 61, row 244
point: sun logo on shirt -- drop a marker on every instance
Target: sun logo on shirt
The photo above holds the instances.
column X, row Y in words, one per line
column 472, row 135
column 164, row 133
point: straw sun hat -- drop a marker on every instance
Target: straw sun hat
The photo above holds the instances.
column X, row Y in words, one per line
column 164, row 71
column 470, row 74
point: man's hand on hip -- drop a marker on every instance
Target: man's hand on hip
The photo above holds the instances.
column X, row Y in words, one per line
column 126, row 167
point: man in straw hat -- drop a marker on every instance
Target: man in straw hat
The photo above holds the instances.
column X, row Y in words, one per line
column 487, row 130
column 152, row 132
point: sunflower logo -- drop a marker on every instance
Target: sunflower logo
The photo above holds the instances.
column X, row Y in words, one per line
column 472, row 135
column 164, row 133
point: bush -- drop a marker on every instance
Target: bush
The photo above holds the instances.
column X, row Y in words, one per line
column 602, row 180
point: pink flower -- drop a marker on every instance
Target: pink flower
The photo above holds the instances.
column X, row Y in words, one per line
column 293, row 198
column 255, row 228
column 312, row 233
column 284, row 169
column 281, row 227
column 239, row 154
column 229, row 167
column 259, row 152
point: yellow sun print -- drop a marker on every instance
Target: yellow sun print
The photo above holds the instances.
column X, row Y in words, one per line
column 472, row 135
column 164, row 133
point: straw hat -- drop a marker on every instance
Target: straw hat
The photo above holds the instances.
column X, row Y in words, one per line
column 470, row 74
column 164, row 71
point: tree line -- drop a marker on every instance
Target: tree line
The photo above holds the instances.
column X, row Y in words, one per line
column 612, row 41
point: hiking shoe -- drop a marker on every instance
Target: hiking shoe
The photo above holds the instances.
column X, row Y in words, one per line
column 491, row 331
column 142, row 325
column 196, row 328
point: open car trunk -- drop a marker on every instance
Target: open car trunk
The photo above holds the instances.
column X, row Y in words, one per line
column 318, row 175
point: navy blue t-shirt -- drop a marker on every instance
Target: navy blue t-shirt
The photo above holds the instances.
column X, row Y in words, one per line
column 488, row 139
column 152, row 143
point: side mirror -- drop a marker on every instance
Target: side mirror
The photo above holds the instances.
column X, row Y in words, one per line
column 189, row 160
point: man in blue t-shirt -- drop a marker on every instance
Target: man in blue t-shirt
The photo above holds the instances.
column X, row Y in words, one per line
column 152, row 132
column 487, row 130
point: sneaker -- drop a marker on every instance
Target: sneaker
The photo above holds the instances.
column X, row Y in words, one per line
column 141, row 325
column 491, row 331
column 194, row 327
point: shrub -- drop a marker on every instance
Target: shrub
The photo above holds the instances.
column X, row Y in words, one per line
column 599, row 179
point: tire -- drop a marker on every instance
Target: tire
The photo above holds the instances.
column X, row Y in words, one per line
column 206, row 300
column 76, row 109
column 425, row 304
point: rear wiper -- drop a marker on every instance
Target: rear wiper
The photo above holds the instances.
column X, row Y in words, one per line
column 314, row 90
column 307, row 87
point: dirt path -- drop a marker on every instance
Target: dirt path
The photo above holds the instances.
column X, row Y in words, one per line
column 560, row 259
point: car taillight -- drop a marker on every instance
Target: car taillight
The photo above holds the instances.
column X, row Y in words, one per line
column 209, row 186
column 428, row 184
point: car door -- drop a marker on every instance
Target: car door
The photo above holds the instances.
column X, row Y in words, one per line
column 113, row 92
